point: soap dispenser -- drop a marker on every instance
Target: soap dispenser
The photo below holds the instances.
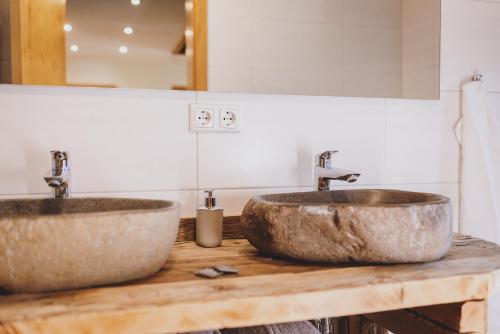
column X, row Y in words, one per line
column 209, row 222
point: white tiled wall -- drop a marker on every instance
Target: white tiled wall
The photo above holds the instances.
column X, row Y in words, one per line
column 471, row 35
column 121, row 141
column 136, row 142
column 422, row 147
column 281, row 136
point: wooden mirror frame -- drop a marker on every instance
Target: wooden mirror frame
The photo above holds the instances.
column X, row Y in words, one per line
column 196, row 44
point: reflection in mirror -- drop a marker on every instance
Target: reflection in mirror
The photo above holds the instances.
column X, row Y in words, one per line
column 369, row 48
column 122, row 45
column 112, row 43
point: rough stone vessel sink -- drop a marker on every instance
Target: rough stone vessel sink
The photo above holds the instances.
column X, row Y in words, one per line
column 56, row 244
column 377, row 226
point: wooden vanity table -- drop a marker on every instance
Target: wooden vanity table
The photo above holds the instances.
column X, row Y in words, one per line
column 447, row 296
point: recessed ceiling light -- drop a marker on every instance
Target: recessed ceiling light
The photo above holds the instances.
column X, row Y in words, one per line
column 68, row 27
column 74, row 48
column 135, row 2
column 123, row 49
column 128, row 30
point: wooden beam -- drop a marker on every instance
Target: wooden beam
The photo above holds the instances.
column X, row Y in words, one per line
column 406, row 322
column 467, row 317
column 38, row 46
column 1, row 77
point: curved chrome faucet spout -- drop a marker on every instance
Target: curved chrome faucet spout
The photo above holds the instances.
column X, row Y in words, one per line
column 324, row 172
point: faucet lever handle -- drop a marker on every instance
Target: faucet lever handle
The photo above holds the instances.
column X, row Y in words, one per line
column 324, row 159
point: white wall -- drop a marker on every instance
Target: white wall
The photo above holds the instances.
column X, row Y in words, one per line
column 305, row 47
column 136, row 142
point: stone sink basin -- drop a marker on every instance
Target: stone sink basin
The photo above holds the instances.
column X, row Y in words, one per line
column 366, row 226
column 58, row 244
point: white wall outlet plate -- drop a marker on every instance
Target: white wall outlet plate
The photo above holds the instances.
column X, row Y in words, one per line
column 229, row 118
column 214, row 118
column 202, row 117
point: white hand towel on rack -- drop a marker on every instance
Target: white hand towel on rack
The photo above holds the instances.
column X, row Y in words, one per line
column 479, row 135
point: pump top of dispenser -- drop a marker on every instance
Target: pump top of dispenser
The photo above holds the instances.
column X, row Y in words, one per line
column 209, row 199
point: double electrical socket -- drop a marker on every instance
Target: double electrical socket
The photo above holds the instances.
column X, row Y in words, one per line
column 214, row 118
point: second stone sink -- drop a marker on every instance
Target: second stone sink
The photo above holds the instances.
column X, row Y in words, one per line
column 56, row 244
column 367, row 226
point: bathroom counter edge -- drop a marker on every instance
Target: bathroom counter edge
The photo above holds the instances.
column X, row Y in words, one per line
column 265, row 291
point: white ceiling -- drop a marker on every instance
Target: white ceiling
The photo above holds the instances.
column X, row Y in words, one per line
column 98, row 27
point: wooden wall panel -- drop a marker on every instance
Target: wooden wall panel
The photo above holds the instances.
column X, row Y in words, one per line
column 38, row 45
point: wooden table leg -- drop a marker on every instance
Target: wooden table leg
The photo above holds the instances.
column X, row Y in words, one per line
column 468, row 317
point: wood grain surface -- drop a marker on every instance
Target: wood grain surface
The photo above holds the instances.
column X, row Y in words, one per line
column 230, row 229
column 266, row 291
column 38, row 46
column 467, row 317
column 196, row 44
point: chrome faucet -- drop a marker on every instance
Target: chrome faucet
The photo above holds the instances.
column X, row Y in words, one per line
column 324, row 172
column 59, row 177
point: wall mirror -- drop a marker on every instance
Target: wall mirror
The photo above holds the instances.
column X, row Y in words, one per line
column 367, row 48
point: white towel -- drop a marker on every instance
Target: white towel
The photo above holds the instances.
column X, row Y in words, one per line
column 479, row 134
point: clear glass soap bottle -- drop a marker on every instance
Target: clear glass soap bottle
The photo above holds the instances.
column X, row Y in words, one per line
column 209, row 222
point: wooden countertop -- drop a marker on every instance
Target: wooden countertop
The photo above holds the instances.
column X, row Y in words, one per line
column 265, row 291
